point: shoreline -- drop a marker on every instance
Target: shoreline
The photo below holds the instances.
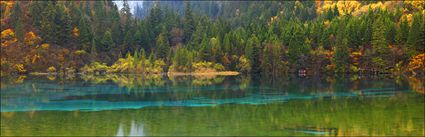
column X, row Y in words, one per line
column 218, row 73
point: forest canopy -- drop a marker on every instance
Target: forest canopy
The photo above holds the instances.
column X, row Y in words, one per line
column 251, row 37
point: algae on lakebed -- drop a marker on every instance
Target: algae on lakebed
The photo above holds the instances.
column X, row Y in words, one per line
column 398, row 115
column 225, row 105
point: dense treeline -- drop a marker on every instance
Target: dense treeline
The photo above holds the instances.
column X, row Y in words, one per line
column 268, row 37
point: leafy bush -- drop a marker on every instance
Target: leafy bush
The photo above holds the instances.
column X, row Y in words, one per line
column 95, row 68
column 205, row 66
column 51, row 69
column 20, row 68
column 417, row 65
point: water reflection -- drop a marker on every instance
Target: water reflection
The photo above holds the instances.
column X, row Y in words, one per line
column 110, row 92
column 401, row 115
column 135, row 130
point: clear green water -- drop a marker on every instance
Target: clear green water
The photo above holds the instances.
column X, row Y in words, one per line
column 235, row 105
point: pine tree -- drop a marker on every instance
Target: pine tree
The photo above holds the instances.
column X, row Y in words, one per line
column 227, row 45
column 215, row 49
column 128, row 43
column 379, row 42
column 162, row 46
column 402, row 31
column 341, row 52
column 17, row 21
column 252, row 52
column 189, row 23
column 415, row 40
column 36, row 12
column 107, row 41
column 205, row 52
column 126, row 13
column 295, row 48
column 380, row 48
column 63, row 23
column 85, row 37
column 48, row 26
column 93, row 50
column 155, row 18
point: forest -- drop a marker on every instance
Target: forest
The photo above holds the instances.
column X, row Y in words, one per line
column 270, row 38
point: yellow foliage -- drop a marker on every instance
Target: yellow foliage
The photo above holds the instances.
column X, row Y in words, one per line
column 20, row 68
column 243, row 64
column 378, row 5
column 51, row 69
column 416, row 64
column 330, row 67
column 329, row 54
column 327, row 23
column 8, row 37
column 45, row 46
column 80, row 52
column 354, row 69
column 8, row 7
column 347, row 7
column 355, row 57
column 31, row 39
column 415, row 4
column 274, row 18
column 34, row 58
column 327, row 5
column 75, row 32
column 95, row 67
column 409, row 18
column 417, row 84
column 7, row 33
column 20, row 79
column 51, row 77
column 204, row 66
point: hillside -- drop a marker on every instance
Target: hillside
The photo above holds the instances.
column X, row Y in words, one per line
column 270, row 37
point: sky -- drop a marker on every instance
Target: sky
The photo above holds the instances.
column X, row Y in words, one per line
column 131, row 3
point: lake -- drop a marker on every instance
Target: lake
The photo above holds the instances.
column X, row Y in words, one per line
column 123, row 105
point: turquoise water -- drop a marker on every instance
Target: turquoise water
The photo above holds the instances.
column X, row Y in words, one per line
column 231, row 105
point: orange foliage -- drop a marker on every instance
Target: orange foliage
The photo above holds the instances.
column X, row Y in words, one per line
column 45, row 46
column 8, row 37
column 416, row 64
column 417, row 84
column 75, row 32
column 8, row 7
column 329, row 54
column 31, row 39
column 35, row 58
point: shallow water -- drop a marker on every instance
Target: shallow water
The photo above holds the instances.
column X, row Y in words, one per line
column 234, row 105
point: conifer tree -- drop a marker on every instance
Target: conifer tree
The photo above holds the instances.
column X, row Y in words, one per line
column 17, row 21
